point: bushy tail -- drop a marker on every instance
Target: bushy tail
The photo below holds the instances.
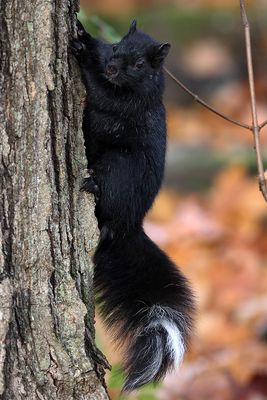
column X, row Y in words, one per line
column 146, row 302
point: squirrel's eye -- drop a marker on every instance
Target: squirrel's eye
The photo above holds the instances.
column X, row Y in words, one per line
column 139, row 64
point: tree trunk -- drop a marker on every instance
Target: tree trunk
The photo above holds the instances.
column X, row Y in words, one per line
column 48, row 228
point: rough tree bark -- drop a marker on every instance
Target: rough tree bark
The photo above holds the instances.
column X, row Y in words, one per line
column 48, row 229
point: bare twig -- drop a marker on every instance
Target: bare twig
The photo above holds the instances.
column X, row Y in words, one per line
column 255, row 125
column 263, row 124
column 206, row 105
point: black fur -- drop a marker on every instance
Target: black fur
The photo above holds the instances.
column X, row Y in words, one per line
column 138, row 287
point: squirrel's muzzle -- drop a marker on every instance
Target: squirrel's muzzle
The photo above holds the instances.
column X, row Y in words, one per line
column 112, row 70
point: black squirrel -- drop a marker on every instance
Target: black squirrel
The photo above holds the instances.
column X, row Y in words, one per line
column 143, row 297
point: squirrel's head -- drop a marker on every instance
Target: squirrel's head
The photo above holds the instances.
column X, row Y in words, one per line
column 136, row 60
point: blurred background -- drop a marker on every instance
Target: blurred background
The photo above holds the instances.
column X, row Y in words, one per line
column 210, row 216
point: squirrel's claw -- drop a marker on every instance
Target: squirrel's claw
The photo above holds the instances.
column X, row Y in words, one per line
column 80, row 29
column 82, row 43
column 89, row 186
column 77, row 46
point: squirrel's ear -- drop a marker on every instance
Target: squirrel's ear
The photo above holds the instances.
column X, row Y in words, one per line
column 132, row 28
column 160, row 52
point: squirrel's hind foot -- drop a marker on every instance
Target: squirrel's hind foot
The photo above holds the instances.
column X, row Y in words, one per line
column 89, row 185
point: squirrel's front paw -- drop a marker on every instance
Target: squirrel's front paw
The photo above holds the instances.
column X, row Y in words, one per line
column 81, row 32
column 89, row 185
column 77, row 47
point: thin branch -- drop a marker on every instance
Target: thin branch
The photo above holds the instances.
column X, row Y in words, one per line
column 206, row 105
column 263, row 124
column 255, row 125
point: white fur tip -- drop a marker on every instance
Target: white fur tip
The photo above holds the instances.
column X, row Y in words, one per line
column 167, row 318
column 158, row 346
column 175, row 342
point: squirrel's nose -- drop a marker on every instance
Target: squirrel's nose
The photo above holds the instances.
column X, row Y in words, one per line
column 112, row 70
